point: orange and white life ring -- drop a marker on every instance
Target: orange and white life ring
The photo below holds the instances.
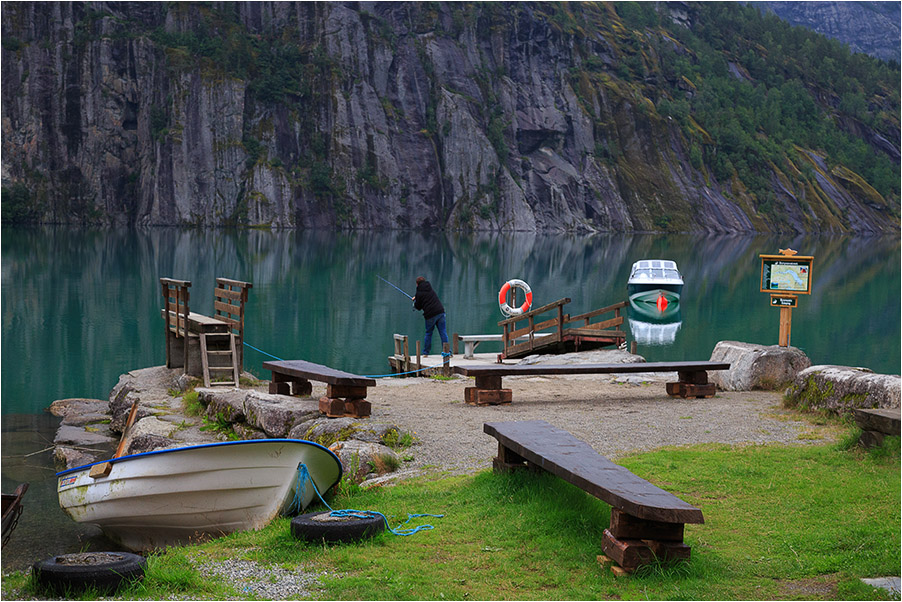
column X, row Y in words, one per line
column 506, row 309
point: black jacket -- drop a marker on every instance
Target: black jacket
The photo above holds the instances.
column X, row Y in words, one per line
column 427, row 300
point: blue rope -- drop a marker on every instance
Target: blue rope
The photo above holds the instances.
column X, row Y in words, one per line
column 305, row 474
column 444, row 354
column 263, row 352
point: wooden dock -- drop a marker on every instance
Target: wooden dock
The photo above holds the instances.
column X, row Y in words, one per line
column 563, row 333
column 403, row 363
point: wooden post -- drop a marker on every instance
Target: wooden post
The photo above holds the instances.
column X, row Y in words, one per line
column 419, row 365
column 407, row 354
column 785, row 325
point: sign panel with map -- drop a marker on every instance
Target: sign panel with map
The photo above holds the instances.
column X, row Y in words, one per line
column 782, row 274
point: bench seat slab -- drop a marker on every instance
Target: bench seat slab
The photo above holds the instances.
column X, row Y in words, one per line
column 573, row 460
column 693, row 376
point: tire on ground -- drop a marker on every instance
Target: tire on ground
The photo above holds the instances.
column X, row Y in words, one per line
column 104, row 571
column 319, row 526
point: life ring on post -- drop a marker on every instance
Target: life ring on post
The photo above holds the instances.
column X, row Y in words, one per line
column 506, row 309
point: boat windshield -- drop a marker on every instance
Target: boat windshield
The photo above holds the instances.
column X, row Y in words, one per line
column 657, row 273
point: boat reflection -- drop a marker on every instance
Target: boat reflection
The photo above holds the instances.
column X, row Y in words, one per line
column 650, row 325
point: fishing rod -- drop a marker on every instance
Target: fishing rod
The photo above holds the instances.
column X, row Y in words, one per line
column 393, row 286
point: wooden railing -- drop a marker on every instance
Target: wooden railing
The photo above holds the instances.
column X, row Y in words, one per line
column 559, row 326
column 229, row 299
column 175, row 314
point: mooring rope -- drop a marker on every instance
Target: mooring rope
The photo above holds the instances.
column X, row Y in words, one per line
column 263, row 352
column 304, row 474
column 444, row 355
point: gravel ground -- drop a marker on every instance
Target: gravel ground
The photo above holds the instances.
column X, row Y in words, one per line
column 615, row 414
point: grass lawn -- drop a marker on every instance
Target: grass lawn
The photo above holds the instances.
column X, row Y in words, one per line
column 781, row 522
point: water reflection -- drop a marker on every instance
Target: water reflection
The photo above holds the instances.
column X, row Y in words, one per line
column 650, row 325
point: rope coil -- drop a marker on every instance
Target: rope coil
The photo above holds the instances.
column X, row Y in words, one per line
column 303, row 474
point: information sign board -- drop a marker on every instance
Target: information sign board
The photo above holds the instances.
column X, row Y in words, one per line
column 786, row 274
column 784, row 301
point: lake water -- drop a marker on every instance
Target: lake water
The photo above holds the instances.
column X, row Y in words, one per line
column 81, row 307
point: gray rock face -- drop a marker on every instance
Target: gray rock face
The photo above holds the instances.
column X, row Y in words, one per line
column 400, row 115
column 842, row 388
column 756, row 366
column 870, row 27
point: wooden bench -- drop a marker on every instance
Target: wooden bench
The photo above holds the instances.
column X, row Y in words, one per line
column 877, row 424
column 646, row 521
column 345, row 392
column 693, row 377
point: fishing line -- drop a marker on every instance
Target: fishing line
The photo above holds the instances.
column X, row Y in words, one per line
column 392, row 285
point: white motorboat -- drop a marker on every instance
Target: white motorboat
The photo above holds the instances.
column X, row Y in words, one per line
column 182, row 495
column 655, row 282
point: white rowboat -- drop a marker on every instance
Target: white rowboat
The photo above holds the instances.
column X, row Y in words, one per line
column 177, row 496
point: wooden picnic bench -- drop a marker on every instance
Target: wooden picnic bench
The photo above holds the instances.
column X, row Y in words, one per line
column 693, row 377
column 345, row 392
column 876, row 424
column 646, row 521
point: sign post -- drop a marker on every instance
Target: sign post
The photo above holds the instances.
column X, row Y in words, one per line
column 786, row 276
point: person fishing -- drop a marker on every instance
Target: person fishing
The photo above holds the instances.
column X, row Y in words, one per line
column 427, row 300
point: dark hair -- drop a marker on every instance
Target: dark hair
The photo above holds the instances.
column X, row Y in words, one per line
column 420, row 279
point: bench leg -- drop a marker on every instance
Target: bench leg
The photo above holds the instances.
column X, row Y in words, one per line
column 632, row 542
column 508, row 460
column 487, row 391
column 691, row 384
column 341, row 400
column 283, row 384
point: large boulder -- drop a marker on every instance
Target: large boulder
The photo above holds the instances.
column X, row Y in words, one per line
column 276, row 415
column 360, row 458
column 754, row 366
column 225, row 404
column 842, row 388
column 597, row 356
column 81, row 412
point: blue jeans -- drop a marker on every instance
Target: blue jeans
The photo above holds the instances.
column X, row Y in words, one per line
column 433, row 322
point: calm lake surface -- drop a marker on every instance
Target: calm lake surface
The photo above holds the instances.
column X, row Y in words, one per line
column 81, row 307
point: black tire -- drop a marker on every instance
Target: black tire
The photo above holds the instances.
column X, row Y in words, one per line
column 319, row 526
column 104, row 571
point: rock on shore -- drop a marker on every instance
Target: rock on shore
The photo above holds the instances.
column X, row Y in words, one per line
column 91, row 428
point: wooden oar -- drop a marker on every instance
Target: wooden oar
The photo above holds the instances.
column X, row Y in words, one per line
column 102, row 470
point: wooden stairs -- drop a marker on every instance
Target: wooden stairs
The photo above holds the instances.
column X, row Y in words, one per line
column 219, row 356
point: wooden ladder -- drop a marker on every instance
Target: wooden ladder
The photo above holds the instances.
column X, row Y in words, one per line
column 206, row 354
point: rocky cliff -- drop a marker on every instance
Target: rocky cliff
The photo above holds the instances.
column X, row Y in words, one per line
column 870, row 27
column 488, row 116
